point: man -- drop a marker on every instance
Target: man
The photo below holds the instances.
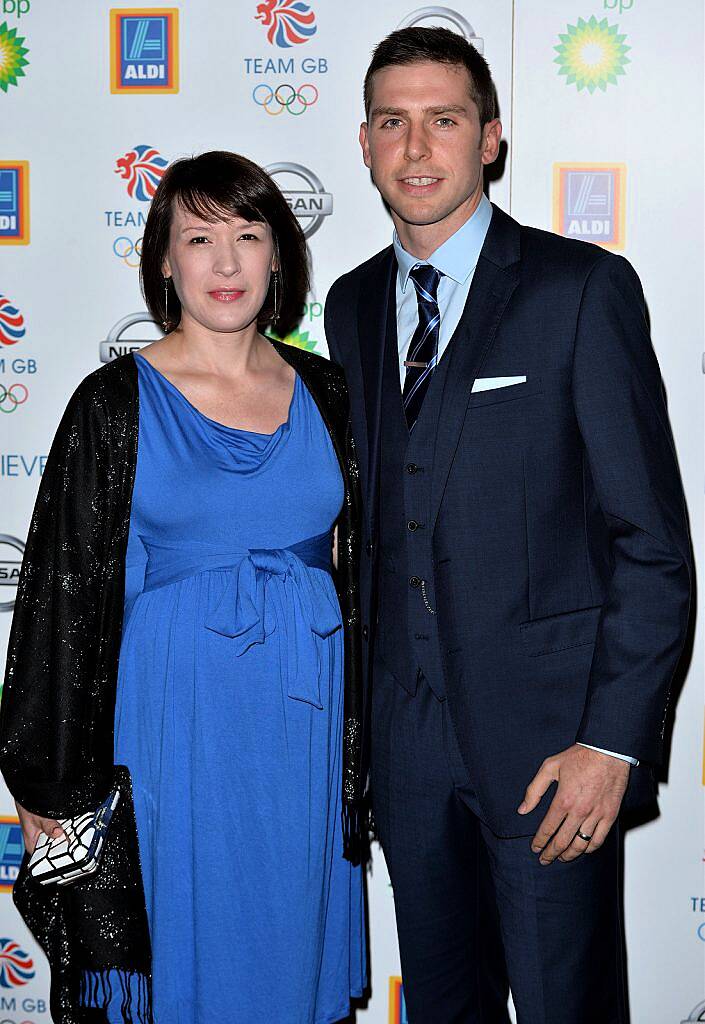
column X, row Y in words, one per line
column 526, row 578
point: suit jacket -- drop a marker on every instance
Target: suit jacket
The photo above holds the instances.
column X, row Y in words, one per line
column 560, row 539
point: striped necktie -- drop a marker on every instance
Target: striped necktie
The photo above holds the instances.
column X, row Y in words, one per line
column 423, row 348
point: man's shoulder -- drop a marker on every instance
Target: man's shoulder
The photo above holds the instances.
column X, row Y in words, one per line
column 570, row 254
column 350, row 281
column 570, row 260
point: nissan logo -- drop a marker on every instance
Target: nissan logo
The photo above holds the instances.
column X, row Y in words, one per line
column 461, row 24
column 310, row 206
column 113, row 347
column 9, row 568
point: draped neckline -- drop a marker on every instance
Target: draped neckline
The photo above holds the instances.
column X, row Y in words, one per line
column 216, row 423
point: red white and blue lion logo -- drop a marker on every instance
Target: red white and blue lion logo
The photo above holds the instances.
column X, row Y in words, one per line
column 16, row 967
column 142, row 168
column 12, row 327
column 288, row 22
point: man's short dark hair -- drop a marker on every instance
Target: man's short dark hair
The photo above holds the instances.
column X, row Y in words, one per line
column 217, row 186
column 416, row 45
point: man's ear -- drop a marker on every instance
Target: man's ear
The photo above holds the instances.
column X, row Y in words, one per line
column 491, row 138
column 365, row 144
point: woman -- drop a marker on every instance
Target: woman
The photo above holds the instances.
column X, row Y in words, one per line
column 194, row 486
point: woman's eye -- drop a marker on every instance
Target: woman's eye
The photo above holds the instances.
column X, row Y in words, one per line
column 197, row 239
column 250, row 237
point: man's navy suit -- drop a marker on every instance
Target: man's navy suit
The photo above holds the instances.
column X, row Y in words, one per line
column 525, row 587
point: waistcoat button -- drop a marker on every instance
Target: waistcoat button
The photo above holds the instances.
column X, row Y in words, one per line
column 412, row 468
column 414, row 581
column 412, row 525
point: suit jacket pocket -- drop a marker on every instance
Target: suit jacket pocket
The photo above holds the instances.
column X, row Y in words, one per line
column 508, row 393
column 559, row 632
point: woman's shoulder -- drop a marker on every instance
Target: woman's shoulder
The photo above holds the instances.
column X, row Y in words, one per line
column 111, row 389
column 310, row 363
column 116, row 379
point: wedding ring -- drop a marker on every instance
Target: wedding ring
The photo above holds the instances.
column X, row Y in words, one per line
column 581, row 835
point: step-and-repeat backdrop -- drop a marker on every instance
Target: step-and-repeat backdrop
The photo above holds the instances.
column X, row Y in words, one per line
column 601, row 105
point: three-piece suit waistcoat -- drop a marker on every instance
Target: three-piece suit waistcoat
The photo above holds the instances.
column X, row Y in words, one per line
column 407, row 628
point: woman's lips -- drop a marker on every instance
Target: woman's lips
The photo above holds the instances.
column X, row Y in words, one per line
column 226, row 295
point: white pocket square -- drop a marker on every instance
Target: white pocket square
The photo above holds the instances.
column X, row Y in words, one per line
column 489, row 383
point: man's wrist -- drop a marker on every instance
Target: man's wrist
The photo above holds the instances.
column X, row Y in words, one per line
column 622, row 757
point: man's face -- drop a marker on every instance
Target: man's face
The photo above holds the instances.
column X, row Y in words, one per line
column 423, row 141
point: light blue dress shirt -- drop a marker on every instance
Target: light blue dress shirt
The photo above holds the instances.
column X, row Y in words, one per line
column 456, row 259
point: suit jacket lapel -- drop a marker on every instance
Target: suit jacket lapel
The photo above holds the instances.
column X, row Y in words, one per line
column 496, row 277
column 376, row 319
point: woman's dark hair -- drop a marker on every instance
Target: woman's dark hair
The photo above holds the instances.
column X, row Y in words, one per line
column 415, row 45
column 216, row 186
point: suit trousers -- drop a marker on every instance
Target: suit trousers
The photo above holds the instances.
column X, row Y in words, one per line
column 475, row 911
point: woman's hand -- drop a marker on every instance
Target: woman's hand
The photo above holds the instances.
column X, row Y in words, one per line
column 33, row 826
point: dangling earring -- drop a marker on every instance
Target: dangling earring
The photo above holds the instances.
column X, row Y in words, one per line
column 275, row 318
column 165, row 321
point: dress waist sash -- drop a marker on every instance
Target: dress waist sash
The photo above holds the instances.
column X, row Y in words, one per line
column 167, row 563
column 241, row 612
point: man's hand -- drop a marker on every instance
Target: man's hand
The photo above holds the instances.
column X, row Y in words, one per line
column 591, row 786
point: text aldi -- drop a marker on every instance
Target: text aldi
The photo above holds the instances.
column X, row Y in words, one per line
column 589, row 202
column 11, row 852
column 14, row 202
column 144, row 50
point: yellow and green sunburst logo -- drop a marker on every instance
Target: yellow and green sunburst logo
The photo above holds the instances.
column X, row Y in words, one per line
column 12, row 56
column 297, row 338
column 592, row 54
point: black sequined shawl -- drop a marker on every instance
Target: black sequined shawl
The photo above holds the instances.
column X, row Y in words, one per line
column 58, row 705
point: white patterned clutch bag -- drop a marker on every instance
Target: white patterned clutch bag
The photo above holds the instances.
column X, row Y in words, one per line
column 76, row 855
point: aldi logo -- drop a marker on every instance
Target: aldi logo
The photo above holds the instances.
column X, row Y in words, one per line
column 397, row 1003
column 14, row 202
column 11, row 852
column 589, row 202
column 144, row 50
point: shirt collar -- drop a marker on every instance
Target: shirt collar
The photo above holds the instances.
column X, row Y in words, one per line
column 458, row 256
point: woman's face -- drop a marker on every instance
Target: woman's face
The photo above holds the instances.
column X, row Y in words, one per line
column 220, row 269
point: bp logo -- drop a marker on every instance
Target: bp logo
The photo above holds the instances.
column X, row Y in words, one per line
column 12, row 56
column 445, row 16
column 592, row 54
column 697, row 1014
column 297, row 338
column 310, row 205
column 115, row 345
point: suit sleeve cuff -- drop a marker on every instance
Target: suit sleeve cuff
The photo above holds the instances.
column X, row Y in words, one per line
column 622, row 757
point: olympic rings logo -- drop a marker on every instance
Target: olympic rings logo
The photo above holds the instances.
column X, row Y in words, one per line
column 12, row 397
column 276, row 101
column 127, row 250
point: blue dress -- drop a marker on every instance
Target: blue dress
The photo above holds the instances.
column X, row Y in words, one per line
column 229, row 715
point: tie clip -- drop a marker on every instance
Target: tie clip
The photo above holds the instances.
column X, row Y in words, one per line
column 420, row 366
